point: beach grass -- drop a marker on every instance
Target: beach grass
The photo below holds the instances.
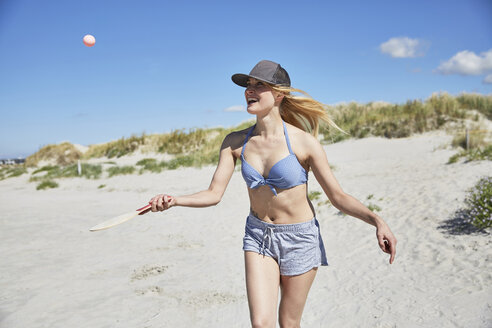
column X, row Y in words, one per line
column 402, row 120
column 47, row 184
column 12, row 171
column 63, row 154
column 314, row 195
column 115, row 148
column 180, row 141
column 120, row 170
column 197, row 147
column 151, row 165
column 48, row 172
column 476, row 148
column 473, row 154
column 476, row 101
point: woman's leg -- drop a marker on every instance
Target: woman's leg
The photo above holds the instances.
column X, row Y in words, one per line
column 262, row 285
column 294, row 290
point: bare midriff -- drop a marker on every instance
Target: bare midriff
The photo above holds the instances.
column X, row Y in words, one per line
column 289, row 206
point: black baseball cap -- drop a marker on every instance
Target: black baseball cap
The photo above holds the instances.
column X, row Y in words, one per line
column 266, row 71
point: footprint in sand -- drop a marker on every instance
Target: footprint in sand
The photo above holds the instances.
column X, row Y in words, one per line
column 148, row 271
column 209, row 298
column 151, row 289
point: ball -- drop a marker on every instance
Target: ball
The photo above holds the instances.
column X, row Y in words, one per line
column 89, row 40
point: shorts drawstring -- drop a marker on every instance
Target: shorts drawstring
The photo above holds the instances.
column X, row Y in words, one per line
column 267, row 233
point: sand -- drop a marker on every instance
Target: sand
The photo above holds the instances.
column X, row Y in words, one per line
column 184, row 267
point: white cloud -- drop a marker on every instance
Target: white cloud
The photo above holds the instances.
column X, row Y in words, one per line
column 404, row 47
column 467, row 63
column 488, row 79
column 236, row 108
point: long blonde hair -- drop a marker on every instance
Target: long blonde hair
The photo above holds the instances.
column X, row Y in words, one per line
column 303, row 112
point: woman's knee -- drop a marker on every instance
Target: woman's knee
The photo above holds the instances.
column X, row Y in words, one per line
column 263, row 322
column 288, row 322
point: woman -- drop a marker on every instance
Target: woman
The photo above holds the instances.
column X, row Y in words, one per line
column 282, row 244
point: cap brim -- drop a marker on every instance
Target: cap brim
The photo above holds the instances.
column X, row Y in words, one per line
column 242, row 79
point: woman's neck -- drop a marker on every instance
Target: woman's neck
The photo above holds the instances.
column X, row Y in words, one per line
column 270, row 124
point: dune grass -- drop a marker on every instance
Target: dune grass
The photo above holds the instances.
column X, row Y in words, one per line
column 62, row 154
column 402, row 120
column 198, row 147
column 478, row 147
column 116, row 148
column 473, row 154
column 181, row 142
column 49, row 172
column 476, row 101
column 11, row 171
column 120, row 170
column 150, row 164
column 47, row 184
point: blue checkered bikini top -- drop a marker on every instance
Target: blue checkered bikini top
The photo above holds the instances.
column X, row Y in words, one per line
column 286, row 173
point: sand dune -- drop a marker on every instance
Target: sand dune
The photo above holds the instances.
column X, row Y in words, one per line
column 184, row 267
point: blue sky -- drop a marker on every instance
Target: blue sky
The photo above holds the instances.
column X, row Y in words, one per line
column 164, row 65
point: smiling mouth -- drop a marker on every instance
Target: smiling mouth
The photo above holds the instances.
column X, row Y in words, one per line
column 252, row 101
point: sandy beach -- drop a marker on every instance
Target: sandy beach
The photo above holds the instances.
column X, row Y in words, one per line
column 184, row 267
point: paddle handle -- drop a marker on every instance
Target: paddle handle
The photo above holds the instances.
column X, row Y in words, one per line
column 144, row 209
column 148, row 207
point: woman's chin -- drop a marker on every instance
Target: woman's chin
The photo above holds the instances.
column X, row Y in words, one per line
column 254, row 109
column 251, row 110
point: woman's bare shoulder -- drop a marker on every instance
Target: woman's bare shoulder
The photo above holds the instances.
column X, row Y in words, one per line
column 235, row 139
column 304, row 144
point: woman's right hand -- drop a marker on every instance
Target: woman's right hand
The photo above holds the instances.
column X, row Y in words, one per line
column 162, row 202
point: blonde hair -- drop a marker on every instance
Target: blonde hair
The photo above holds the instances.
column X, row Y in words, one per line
column 303, row 112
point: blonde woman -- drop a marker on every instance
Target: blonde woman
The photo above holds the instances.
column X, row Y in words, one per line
column 282, row 244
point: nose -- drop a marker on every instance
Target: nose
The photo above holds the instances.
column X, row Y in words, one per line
column 250, row 89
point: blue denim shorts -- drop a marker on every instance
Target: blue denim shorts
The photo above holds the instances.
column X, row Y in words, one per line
column 297, row 247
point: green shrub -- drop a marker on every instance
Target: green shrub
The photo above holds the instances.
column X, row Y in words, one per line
column 47, row 184
column 479, row 203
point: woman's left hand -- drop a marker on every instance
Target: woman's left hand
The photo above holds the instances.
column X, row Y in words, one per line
column 387, row 241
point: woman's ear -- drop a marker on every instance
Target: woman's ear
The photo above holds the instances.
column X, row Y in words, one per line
column 279, row 96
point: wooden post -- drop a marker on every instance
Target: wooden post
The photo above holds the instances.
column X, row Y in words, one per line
column 467, row 139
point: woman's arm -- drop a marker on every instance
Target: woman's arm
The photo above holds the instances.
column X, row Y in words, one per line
column 215, row 191
column 344, row 202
